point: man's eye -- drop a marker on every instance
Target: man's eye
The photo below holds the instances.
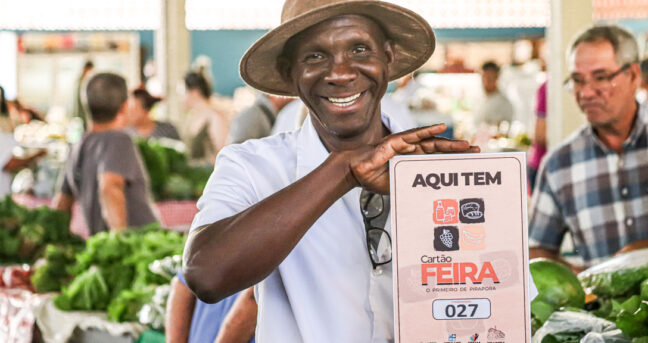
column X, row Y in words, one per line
column 578, row 80
column 314, row 57
column 600, row 78
column 359, row 49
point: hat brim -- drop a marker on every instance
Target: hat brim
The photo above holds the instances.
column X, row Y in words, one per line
column 412, row 40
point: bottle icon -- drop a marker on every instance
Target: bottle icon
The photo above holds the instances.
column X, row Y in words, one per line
column 440, row 212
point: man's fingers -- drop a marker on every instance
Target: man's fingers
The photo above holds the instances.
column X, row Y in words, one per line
column 444, row 145
column 416, row 135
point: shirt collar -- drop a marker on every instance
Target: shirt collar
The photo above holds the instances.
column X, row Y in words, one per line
column 311, row 151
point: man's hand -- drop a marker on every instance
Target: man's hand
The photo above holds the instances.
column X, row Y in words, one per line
column 633, row 246
column 369, row 167
column 553, row 255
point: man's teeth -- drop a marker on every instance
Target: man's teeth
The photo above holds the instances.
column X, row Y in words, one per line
column 343, row 102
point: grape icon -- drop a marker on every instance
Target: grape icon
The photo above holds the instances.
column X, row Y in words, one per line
column 446, row 238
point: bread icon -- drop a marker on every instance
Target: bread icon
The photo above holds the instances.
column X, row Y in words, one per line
column 472, row 210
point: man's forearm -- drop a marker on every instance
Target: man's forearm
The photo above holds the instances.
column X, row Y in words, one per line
column 113, row 206
column 240, row 322
column 552, row 255
column 179, row 312
column 217, row 266
column 240, row 251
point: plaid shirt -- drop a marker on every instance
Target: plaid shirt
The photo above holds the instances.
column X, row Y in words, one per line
column 600, row 196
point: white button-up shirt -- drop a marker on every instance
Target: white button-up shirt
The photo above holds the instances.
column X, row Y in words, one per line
column 326, row 289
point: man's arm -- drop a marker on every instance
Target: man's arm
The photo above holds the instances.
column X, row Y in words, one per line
column 553, row 255
column 16, row 163
column 240, row 322
column 239, row 251
column 63, row 202
column 179, row 312
column 113, row 200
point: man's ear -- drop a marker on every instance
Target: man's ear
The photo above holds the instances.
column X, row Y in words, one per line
column 389, row 53
column 122, row 113
column 635, row 71
column 123, row 109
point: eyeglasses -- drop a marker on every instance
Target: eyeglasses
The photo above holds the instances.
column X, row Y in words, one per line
column 372, row 206
column 599, row 82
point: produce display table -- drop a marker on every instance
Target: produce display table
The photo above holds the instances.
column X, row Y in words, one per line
column 175, row 215
column 17, row 314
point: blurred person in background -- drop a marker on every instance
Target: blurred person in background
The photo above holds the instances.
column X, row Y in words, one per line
column 21, row 114
column 104, row 171
column 539, row 146
column 140, row 123
column 642, row 95
column 10, row 163
column 79, row 107
column 207, row 128
column 594, row 184
column 257, row 120
column 189, row 320
column 495, row 107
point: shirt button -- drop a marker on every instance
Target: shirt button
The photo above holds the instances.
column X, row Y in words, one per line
column 624, row 191
column 629, row 221
column 378, row 271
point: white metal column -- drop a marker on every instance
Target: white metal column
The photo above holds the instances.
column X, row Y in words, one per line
column 568, row 17
column 172, row 55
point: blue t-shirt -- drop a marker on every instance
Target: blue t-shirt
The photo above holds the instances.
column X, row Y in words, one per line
column 208, row 318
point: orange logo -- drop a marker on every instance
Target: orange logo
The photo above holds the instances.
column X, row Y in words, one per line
column 472, row 238
column 446, row 211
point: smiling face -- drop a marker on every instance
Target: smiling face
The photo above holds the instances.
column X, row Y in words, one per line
column 613, row 103
column 340, row 69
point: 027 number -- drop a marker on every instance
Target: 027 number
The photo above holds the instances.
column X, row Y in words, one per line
column 457, row 309
column 460, row 310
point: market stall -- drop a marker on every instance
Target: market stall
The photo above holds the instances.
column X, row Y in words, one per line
column 113, row 286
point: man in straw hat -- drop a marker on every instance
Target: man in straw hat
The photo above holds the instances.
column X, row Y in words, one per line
column 300, row 214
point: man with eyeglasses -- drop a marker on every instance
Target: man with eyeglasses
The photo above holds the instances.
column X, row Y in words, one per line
column 286, row 212
column 595, row 185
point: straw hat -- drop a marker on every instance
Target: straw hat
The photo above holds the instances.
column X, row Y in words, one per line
column 411, row 36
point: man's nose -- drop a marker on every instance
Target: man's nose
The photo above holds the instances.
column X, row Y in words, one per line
column 341, row 72
column 587, row 91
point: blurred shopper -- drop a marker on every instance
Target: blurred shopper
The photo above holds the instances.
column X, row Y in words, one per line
column 189, row 320
column 594, row 184
column 495, row 107
column 285, row 213
column 642, row 95
column 291, row 117
column 79, row 107
column 21, row 114
column 207, row 128
column 257, row 120
column 406, row 88
column 140, row 123
column 8, row 161
column 539, row 147
column 104, row 171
